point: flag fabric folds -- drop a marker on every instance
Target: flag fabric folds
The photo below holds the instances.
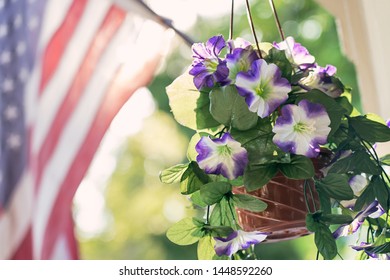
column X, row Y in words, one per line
column 66, row 67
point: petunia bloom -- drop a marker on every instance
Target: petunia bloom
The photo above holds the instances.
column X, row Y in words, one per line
column 358, row 183
column 373, row 210
column 207, row 68
column 263, row 87
column 321, row 78
column 296, row 53
column 366, row 247
column 240, row 58
column 223, row 156
column 237, row 240
column 302, row 128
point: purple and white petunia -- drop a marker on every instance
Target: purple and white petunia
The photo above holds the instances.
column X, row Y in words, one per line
column 296, row 53
column 223, row 156
column 366, row 248
column 207, row 68
column 237, row 240
column 302, row 128
column 358, row 183
column 240, row 58
column 263, row 87
column 321, row 78
column 373, row 210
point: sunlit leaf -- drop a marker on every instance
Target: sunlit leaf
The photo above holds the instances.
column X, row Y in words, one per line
column 189, row 106
column 186, row 232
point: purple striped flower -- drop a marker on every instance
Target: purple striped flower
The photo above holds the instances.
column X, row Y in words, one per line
column 321, row 78
column 207, row 68
column 240, row 58
column 237, row 240
column 223, row 156
column 367, row 247
column 263, row 87
column 374, row 210
column 302, row 128
column 296, row 53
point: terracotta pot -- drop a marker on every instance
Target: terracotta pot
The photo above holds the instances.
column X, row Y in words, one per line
column 285, row 215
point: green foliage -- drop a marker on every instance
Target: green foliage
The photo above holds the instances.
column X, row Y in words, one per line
column 369, row 130
column 173, row 174
column 189, row 106
column 249, row 202
column 335, row 186
column 186, row 232
column 300, row 167
column 256, row 177
column 358, row 162
column 279, row 58
column 192, row 179
column 213, row 192
column 325, row 242
column 323, row 237
column 230, row 109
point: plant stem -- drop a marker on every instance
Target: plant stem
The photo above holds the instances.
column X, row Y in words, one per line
column 248, row 10
column 208, row 215
column 231, row 22
column 281, row 33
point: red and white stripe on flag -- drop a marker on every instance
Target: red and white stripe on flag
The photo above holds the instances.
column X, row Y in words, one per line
column 92, row 57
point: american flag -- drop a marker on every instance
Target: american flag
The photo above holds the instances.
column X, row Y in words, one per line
column 67, row 67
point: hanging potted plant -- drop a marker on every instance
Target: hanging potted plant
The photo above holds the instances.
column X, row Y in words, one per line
column 278, row 152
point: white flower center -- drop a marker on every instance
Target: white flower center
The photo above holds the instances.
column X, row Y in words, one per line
column 224, row 151
column 302, row 127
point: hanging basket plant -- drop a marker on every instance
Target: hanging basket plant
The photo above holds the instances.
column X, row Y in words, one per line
column 278, row 152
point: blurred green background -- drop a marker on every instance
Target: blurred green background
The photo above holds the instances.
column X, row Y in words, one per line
column 137, row 208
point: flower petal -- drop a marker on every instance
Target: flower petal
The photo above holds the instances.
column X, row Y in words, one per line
column 238, row 240
column 302, row 128
column 223, row 156
column 263, row 87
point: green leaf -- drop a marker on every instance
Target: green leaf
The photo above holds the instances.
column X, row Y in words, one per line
column 334, row 110
column 325, row 204
column 312, row 221
column 325, row 242
column 300, row 167
column 192, row 179
column 212, row 193
column 381, row 249
column 228, row 213
column 335, row 219
column 257, row 141
column 335, row 186
column 279, row 58
column 366, row 197
column 216, row 215
column 206, row 249
column 381, row 191
column 186, row 232
column 219, row 231
column 359, row 162
column 189, row 106
column 369, row 130
column 197, row 200
column 344, row 102
column 229, row 108
column 256, row 177
column 173, row 174
column 249, row 202
column 386, row 160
